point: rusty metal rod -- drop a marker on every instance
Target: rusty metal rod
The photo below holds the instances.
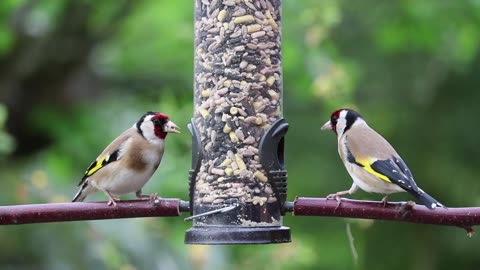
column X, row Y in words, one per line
column 57, row 212
column 407, row 212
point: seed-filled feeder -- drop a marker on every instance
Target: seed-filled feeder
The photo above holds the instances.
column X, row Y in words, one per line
column 238, row 180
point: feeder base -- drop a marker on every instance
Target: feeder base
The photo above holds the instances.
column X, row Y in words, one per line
column 216, row 235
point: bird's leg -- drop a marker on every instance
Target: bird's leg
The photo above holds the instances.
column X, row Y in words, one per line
column 111, row 199
column 152, row 196
column 385, row 200
column 141, row 196
column 338, row 195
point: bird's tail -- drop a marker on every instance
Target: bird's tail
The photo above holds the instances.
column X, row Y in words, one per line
column 79, row 197
column 82, row 193
column 427, row 200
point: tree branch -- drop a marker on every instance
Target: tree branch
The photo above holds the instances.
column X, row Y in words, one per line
column 56, row 212
column 406, row 212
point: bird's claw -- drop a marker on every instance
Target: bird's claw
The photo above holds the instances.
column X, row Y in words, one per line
column 111, row 201
column 332, row 196
column 153, row 197
column 337, row 197
column 385, row 201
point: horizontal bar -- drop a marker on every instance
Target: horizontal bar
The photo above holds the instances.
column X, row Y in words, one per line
column 407, row 212
column 57, row 212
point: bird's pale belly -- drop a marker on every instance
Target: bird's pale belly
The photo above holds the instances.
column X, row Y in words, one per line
column 124, row 181
column 371, row 183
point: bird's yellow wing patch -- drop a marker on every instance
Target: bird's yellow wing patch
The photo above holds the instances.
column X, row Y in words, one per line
column 96, row 165
column 366, row 163
column 101, row 162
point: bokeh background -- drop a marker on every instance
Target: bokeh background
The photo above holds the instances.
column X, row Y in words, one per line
column 74, row 74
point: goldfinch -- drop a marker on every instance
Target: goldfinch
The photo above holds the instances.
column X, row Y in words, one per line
column 129, row 161
column 370, row 160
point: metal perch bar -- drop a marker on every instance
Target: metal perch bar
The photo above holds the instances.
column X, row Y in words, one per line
column 57, row 212
column 407, row 212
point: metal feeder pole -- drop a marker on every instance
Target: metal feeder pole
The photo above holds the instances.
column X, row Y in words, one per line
column 238, row 178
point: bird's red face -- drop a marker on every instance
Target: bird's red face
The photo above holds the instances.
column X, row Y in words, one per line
column 154, row 126
column 334, row 120
column 342, row 120
column 162, row 125
column 332, row 123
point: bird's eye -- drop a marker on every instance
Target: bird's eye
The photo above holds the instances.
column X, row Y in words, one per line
column 334, row 119
column 158, row 121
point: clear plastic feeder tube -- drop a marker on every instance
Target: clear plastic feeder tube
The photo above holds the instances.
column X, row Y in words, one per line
column 238, row 178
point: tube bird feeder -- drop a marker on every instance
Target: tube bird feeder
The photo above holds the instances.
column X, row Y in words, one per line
column 238, row 178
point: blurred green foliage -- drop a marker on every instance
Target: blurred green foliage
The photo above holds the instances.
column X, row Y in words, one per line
column 7, row 143
column 74, row 74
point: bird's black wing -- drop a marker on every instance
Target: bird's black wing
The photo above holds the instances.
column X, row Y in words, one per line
column 397, row 172
column 99, row 163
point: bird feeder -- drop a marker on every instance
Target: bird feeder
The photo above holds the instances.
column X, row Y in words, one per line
column 238, row 180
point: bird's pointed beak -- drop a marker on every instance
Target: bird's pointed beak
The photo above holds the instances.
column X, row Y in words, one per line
column 171, row 127
column 327, row 126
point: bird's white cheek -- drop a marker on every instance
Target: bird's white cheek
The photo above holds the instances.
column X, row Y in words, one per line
column 339, row 131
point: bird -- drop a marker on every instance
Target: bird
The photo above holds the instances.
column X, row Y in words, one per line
column 371, row 161
column 129, row 161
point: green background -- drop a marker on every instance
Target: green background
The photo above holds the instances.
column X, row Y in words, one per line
column 75, row 74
